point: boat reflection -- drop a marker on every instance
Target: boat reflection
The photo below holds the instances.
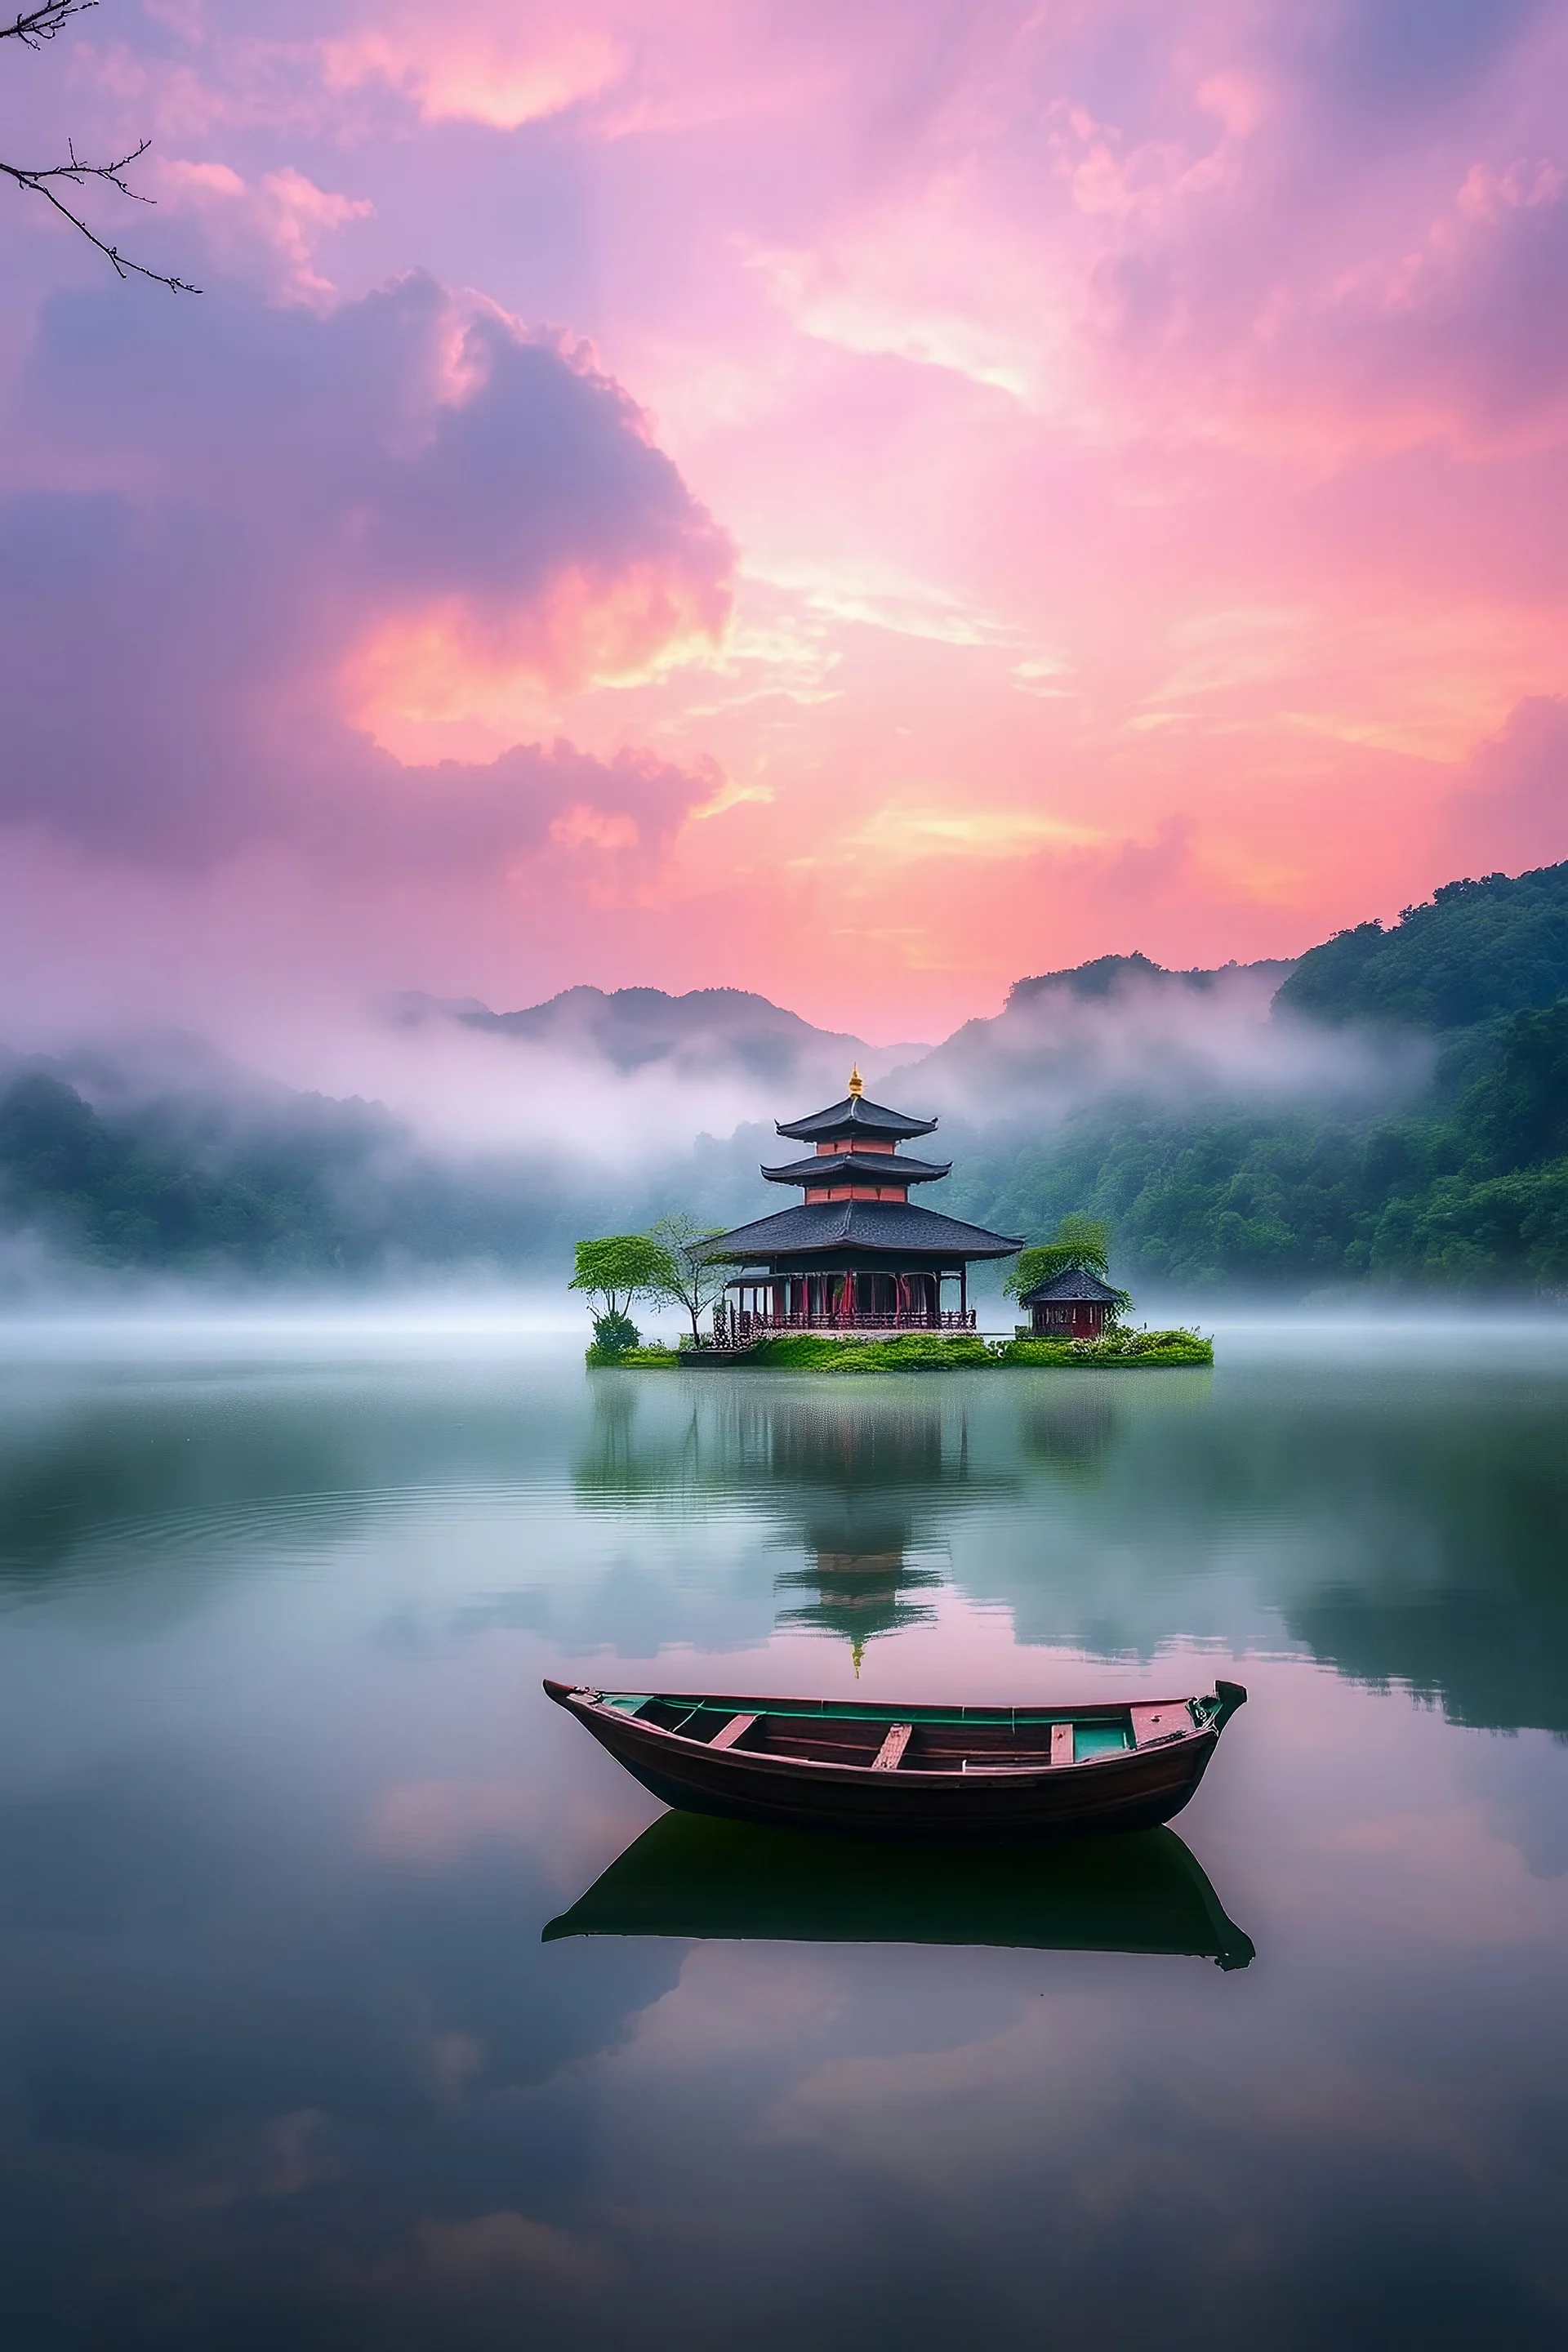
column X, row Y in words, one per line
column 700, row 1878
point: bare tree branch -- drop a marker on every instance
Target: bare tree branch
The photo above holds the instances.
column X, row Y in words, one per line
column 41, row 182
column 34, row 27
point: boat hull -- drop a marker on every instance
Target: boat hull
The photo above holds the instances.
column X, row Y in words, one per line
column 1140, row 1788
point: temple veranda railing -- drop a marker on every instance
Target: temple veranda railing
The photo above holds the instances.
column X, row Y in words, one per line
column 738, row 1327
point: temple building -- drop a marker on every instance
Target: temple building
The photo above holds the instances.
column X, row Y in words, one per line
column 855, row 1255
column 1072, row 1304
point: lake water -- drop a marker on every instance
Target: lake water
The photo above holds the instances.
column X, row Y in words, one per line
column 290, row 2059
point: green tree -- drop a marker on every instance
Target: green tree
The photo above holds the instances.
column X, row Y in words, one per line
column 690, row 1280
column 1523, row 1114
column 1079, row 1241
column 618, row 1269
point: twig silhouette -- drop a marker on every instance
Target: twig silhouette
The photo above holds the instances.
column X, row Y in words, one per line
column 34, row 27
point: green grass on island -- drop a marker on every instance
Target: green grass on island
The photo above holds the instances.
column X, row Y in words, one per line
column 924, row 1351
column 1147, row 1349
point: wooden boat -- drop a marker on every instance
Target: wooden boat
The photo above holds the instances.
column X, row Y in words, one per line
column 912, row 1771
column 739, row 1881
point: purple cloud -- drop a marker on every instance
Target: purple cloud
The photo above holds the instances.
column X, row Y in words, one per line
column 269, row 490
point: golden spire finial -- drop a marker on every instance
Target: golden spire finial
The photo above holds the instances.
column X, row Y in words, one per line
column 857, row 1083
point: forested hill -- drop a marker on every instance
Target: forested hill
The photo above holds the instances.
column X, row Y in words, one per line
column 267, row 1185
column 1469, row 1185
column 1477, row 950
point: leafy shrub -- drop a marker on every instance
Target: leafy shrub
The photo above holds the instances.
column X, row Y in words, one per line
column 614, row 1336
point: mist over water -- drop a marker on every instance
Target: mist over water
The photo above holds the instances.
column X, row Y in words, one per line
column 450, row 1321
column 454, row 1322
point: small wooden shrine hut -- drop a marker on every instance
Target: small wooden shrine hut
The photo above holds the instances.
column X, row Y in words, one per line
column 855, row 1255
column 1072, row 1304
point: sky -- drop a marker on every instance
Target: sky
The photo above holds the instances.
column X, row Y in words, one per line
column 856, row 501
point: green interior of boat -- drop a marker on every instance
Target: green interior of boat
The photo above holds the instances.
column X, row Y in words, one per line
column 1099, row 1740
column 830, row 1710
column 1097, row 1735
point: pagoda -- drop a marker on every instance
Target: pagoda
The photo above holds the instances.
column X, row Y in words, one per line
column 855, row 1255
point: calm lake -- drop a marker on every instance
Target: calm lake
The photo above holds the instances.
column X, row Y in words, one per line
column 291, row 2058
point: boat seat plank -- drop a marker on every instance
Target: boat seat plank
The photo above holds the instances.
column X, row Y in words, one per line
column 1155, row 1723
column 891, row 1754
column 736, row 1728
column 1061, row 1743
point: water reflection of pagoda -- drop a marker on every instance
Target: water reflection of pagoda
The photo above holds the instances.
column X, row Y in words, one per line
column 854, row 1482
column 860, row 1595
column 866, row 1476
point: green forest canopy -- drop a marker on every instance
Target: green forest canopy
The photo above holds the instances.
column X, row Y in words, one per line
column 1477, row 951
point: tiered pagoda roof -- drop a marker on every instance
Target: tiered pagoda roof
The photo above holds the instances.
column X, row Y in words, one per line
column 855, row 1116
column 874, row 1167
column 888, row 1229
column 855, row 1205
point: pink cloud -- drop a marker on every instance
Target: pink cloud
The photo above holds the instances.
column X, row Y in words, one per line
column 504, row 70
column 992, row 487
column 267, row 231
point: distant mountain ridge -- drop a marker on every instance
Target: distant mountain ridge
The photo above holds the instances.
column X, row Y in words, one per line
column 1106, row 974
column 696, row 1034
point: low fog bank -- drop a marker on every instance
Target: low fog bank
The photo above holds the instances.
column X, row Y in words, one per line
column 160, row 1160
column 1381, row 1331
column 174, row 1328
column 171, row 1331
column 1123, row 1030
column 454, row 1094
column 641, row 1063
column 1391, row 1110
column 617, row 1081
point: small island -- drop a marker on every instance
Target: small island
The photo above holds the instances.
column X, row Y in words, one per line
column 856, row 1279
